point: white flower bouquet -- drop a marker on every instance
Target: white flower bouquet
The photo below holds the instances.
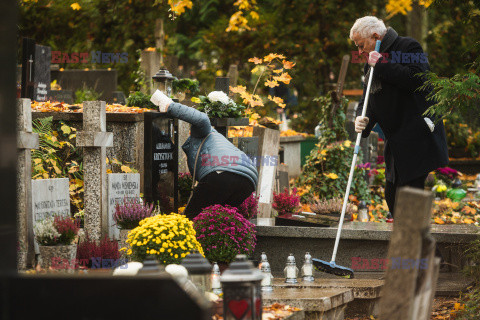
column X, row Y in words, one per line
column 218, row 105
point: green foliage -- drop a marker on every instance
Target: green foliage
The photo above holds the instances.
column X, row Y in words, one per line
column 57, row 157
column 186, row 85
column 141, row 100
column 325, row 173
column 86, row 94
column 462, row 140
column 459, row 94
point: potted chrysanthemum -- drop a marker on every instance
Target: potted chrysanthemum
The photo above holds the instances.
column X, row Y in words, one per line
column 169, row 237
column 223, row 233
column 55, row 237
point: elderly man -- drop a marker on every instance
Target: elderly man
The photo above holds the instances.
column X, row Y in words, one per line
column 414, row 145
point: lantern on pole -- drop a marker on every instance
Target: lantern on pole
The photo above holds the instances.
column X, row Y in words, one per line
column 163, row 81
column 242, row 295
column 198, row 271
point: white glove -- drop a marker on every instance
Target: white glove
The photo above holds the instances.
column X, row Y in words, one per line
column 161, row 100
column 373, row 57
column 360, row 124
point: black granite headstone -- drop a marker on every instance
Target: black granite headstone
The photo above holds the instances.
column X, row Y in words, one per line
column 161, row 160
column 28, row 70
column 43, row 57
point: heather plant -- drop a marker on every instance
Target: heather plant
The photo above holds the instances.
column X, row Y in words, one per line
column 249, row 208
column 331, row 206
column 93, row 252
column 131, row 212
column 56, row 230
column 223, row 233
column 170, row 237
column 286, row 202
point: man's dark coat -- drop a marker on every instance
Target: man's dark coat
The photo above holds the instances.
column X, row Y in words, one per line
column 397, row 106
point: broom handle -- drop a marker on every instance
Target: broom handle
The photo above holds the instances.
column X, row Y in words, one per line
column 354, row 162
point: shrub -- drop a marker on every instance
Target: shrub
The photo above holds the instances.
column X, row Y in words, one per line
column 57, row 230
column 331, row 206
column 249, row 208
column 95, row 254
column 131, row 212
column 285, row 202
column 325, row 173
column 170, row 237
column 223, row 233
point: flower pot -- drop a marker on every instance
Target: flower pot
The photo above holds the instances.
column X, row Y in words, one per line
column 122, row 239
column 60, row 257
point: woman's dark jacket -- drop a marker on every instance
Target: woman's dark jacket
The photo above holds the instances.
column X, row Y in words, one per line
column 217, row 153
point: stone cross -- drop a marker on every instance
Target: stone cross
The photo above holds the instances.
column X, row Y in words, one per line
column 94, row 139
column 26, row 140
column 413, row 268
column 267, row 162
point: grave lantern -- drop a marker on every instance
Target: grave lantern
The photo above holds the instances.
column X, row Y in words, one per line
column 198, row 271
column 362, row 212
column 163, row 81
column 242, row 295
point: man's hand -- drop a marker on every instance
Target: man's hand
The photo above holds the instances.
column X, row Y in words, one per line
column 373, row 57
column 161, row 100
column 360, row 124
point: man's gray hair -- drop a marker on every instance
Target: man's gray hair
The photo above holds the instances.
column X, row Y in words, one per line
column 367, row 26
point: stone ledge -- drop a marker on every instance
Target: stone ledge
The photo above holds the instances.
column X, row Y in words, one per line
column 361, row 288
column 309, row 299
column 291, row 139
column 370, row 231
column 78, row 116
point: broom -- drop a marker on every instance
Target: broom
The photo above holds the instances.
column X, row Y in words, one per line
column 332, row 267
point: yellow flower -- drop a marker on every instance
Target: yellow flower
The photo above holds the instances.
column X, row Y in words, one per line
column 129, row 252
column 75, row 6
column 331, row 175
column 347, row 143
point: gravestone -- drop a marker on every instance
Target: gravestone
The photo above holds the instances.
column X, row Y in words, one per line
column 412, row 273
column 43, row 57
column 161, row 160
column 50, row 197
column 36, row 61
column 94, row 139
column 102, row 81
column 121, row 187
column 233, row 75
column 222, row 84
column 26, row 140
column 267, row 161
column 281, row 180
column 28, row 68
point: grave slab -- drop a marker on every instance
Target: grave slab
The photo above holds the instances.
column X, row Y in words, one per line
column 317, row 303
column 366, row 240
column 366, row 292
